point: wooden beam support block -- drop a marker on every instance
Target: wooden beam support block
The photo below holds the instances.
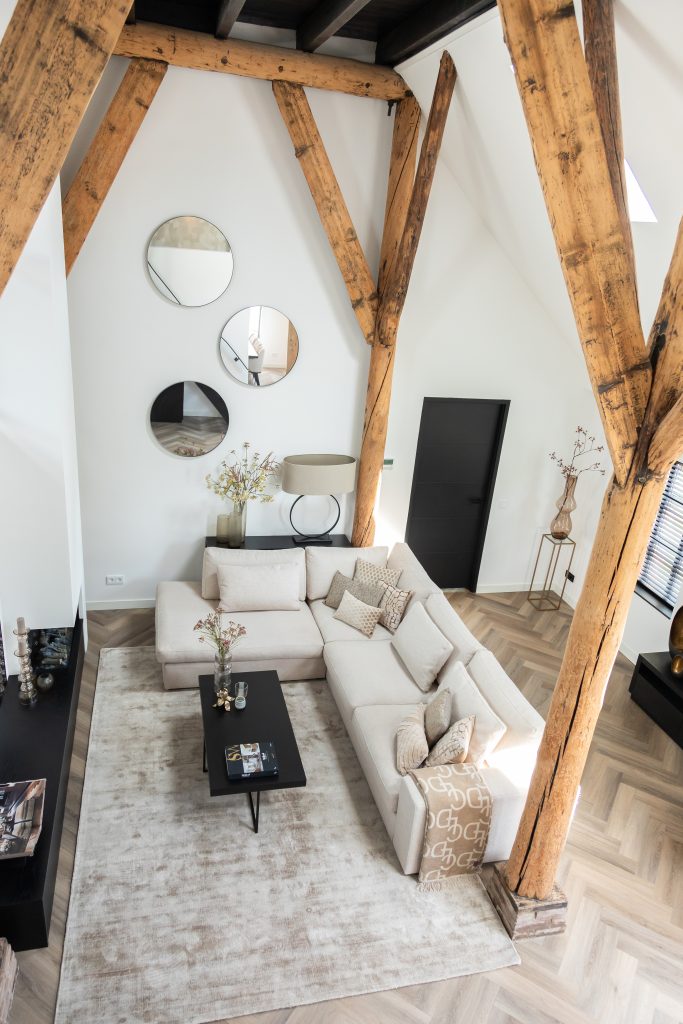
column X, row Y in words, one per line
column 185, row 49
column 332, row 210
column 51, row 58
column 107, row 152
column 524, row 918
column 8, row 978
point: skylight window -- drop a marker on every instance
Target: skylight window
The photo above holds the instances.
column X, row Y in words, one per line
column 639, row 209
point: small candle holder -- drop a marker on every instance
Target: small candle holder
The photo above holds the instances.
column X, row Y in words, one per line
column 241, row 691
column 27, row 691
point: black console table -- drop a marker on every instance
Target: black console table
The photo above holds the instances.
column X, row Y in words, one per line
column 277, row 542
column 36, row 743
column 659, row 693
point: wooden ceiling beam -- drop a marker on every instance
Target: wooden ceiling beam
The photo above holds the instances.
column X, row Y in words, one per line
column 228, row 13
column 107, row 152
column 186, row 49
column 325, row 20
column 427, row 25
column 566, row 138
column 51, row 59
column 332, row 210
column 600, row 46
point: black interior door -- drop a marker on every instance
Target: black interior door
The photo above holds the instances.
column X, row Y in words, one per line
column 458, row 450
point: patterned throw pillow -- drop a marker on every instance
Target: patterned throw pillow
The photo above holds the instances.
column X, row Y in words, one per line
column 411, row 742
column 366, row 572
column 452, row 748
column 354, row 613
column 438, row 716
column 393, row 604
column 368, row 593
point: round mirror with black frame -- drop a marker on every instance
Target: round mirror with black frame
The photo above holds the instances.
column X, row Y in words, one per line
column 190, row 261
column 259, row 346
column 189, row 419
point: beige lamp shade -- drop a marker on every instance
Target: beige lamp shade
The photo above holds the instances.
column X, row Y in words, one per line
column 318, row 474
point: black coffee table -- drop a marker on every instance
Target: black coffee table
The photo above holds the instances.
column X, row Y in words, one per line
column 264, row 718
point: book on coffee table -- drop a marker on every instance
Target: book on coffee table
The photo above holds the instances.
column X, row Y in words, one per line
column 251, row 760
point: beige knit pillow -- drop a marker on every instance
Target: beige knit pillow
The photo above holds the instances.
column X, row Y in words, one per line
column 411, row 742
column 393, row 604
column 366, row 572
column 453, row 746
column 438, row 717
column 354, row 613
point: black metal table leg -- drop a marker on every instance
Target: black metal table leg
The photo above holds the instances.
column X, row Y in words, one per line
column 255, row 814
column 204, row 767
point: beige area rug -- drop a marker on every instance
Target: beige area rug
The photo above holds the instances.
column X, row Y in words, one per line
column 180, row 913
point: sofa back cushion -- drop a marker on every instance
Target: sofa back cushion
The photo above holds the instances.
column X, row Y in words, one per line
column 259, row 588
column 465, row 645
column 413, row 576
column 322, row 563
column 489, row 728
column 213, row 557
column 421, row 646
column 515, row 754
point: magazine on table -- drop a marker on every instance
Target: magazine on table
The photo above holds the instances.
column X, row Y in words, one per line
column 21, row 817
column 251, row 760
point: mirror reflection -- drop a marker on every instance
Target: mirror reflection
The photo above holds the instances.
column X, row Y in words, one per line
column 259, row 346
column 189, row 419
column 189, row 261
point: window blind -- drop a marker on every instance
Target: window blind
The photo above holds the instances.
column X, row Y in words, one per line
column 662, row 572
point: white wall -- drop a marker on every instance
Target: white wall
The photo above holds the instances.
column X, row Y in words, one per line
column 41, row 570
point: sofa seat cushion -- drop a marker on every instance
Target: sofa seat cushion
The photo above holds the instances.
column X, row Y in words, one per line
column 270, row 634
column 334, row 629
column 361, row 673
column 373, row 732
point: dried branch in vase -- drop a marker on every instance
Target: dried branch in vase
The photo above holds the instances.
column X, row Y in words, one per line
column 583, row 445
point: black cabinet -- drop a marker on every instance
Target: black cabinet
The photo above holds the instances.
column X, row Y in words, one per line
column 659, row 693
column 276, row 542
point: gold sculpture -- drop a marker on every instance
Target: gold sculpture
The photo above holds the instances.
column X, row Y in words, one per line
column 676, row 643
column 223, row 700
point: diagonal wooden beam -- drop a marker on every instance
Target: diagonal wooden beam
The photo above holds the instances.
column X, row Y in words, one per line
column 556, row 94
column 600, row 45
column 332, row 210
column 186, row 49
column 380, row 373
column 325, row 20
column 393, row 300
column 51, row 59
column 228, row 13
column 667, row 444
column 107, row 152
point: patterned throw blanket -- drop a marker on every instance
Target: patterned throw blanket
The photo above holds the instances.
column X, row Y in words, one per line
column 458, row 820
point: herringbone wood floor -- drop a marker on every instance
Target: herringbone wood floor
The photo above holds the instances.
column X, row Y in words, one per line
column 621, row 959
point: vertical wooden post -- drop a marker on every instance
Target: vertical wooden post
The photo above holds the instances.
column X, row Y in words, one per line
column 51, row 59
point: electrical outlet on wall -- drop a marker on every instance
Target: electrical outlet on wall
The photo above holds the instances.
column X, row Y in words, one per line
column 115, row 580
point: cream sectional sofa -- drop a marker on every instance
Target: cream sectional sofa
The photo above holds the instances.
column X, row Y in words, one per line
column 370, row 684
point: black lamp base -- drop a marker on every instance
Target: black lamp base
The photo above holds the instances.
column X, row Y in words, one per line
column 313, row 538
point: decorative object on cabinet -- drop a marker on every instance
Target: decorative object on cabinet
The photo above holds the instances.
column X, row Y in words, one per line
column 189, row 419
column 327, row 475
column 259, row 346
column 27, row 691
column 676, row 643
column 659, row 692
column 243, row 478
column 545, row 598
column 190, row 261
column 3, row 667
column 21, row 817
column 561, row 526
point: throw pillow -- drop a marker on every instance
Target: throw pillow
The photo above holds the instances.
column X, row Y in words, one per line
column 368, row 572
column 452, row 748
column 421, row 646
column 393, row 604
column 489, row 729
column 411, row 742
column 259, row 588
column 438, row 717
column 357, row 614
column 368, row 593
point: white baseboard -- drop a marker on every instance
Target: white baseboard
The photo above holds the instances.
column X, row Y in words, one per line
column 126, row 602
column 502, row 588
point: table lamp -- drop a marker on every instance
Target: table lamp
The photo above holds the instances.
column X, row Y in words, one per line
column 327, row 475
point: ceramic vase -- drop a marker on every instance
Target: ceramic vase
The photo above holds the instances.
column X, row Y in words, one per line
column 561, row 526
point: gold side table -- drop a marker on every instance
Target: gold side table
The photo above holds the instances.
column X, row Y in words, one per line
column 545, row 598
